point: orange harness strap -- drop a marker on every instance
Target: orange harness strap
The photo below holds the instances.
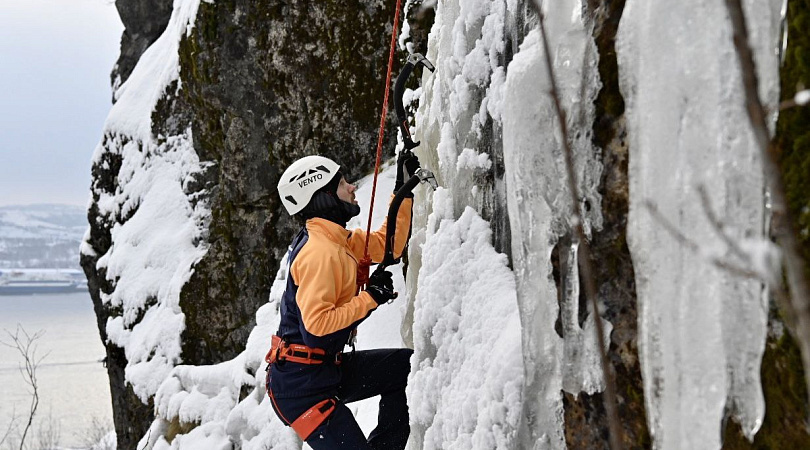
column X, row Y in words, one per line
column 281, row 351
column 312, row 418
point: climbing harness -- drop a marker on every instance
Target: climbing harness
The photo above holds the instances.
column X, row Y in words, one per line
column 281, row 351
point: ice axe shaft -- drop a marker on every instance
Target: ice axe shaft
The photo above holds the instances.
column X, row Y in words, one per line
column 414, row 60
column 420, row 176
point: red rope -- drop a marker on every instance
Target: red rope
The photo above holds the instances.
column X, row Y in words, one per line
column 365, row 263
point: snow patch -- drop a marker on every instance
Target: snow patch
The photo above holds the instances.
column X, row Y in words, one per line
column 465, row 386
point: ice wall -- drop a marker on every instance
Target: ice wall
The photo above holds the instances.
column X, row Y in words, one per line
column 539, row 211
column 462, row 294
column 702, row 330
column 478, row 102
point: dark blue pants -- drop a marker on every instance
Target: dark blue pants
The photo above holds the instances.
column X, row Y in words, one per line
column 364, row 374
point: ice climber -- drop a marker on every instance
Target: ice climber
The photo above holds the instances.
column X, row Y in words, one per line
column 309, row 379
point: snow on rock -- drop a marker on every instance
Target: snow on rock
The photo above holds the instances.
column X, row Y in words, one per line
column 701, row 330
column 157, row 68
column 466, row 380
column 470, row 159
column 158, row 230
column 208, row 397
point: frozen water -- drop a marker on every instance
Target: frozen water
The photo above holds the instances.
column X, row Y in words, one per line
column 702, row 330
column 490, row 133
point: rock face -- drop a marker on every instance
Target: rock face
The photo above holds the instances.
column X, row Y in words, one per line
column 268, row 84
column 144, row 21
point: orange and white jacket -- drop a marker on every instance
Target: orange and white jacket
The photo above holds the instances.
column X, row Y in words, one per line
column 321, row 305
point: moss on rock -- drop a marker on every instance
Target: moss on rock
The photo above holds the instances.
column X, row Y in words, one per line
column 792, row 129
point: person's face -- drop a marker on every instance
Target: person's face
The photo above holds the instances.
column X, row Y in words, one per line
column 345, row 191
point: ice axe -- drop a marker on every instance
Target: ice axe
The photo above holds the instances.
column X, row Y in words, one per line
column 413, row 61
column 421, row 175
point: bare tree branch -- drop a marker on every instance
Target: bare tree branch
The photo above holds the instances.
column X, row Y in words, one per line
column 11, row 425
column 615, row 434
column 800, row 99
column 718, row 226
column 696, row 248
column 25, row 345
column 784, row 229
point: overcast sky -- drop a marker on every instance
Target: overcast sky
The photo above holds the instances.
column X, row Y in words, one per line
column 55, row 61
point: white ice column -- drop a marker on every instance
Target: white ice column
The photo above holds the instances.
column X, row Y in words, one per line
column 539, row 204
column 701, row 330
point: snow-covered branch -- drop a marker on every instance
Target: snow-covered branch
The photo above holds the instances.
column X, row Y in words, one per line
column 801, row 98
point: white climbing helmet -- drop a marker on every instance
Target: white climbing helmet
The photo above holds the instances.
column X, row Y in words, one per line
column 302, row 179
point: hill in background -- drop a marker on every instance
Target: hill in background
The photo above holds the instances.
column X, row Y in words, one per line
column 41, row 236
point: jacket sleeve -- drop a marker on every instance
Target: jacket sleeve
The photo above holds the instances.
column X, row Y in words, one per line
column 317, row 277
column 376, row 242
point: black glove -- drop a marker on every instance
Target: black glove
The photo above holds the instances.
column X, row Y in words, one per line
column 407, row 165
column 381, row 287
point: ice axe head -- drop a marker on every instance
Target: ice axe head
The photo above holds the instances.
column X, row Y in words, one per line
column 426, row 176
column 414, row 60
